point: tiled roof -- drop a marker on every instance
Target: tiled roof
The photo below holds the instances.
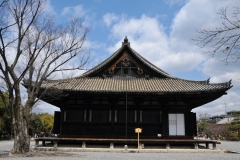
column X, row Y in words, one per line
column 132, row 84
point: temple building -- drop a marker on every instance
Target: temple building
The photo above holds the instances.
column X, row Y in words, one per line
column 125, row 92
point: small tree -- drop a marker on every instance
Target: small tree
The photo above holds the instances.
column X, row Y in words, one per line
column 47, row 122
column 35, row 125
column 41, row 123
column 5, row 121
column 223, row 39
column 233, row 132
column 205, row 128
column 234, row 127
column 32, row 49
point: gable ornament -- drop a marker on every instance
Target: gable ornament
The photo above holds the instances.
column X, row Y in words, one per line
column 125, row 62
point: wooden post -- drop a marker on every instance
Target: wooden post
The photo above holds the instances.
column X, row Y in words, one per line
column 167, row 146
column 138, row 140
column 111, row 145
column 214, row 146
column 55, row 144
column 138, row 130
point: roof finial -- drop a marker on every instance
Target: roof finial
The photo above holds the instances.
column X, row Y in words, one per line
column 125, row 42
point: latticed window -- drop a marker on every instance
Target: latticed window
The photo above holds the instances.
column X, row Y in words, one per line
column 150, row 116
column 120, row 116
column 100, row 116
column 74, row 115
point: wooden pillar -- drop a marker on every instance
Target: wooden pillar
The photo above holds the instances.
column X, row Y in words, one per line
column 167, row 146
column 43, row 143
column 62, row 109
column 112, row 119
column 36, row 143
column 83, row 144
column 207, row 145
column 165, row 127
column 195, row 145
column 55, row 144
column 87, row 118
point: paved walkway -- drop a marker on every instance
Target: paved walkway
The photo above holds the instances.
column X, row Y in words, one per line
column 230, row 146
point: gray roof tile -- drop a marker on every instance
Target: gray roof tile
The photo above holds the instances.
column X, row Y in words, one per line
column 132, row 84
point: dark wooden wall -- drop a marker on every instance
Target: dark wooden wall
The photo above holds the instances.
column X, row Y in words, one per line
column 105, row 116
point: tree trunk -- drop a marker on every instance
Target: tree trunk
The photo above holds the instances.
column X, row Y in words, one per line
column 21, row 141
column 20, row 129
column 238, row 133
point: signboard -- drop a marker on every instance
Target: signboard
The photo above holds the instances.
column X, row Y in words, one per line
column 138, row 130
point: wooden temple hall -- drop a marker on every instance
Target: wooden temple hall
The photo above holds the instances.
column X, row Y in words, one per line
column 125, row 92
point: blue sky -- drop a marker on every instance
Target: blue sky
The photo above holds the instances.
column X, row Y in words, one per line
column 162, row 32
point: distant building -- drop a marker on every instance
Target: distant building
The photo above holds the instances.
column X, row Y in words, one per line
column 222, row 119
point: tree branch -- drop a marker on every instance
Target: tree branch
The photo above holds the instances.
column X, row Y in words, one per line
column 225, row 40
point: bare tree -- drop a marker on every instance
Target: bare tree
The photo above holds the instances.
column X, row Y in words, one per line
column 224, row 39
column 32, row 49
column 203, row 116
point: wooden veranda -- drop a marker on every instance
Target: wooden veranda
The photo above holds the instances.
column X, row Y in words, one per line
column 111, row 142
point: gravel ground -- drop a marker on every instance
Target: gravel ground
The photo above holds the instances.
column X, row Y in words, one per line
column 5, row 147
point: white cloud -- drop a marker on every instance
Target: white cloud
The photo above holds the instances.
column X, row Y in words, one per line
column 147, row 36
column 181, row 62
column 49, row 8
column 109, row 18
column 76, row 11
column 172, row 2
